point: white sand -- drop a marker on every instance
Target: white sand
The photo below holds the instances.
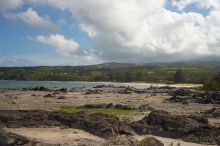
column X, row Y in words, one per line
column 56, row 135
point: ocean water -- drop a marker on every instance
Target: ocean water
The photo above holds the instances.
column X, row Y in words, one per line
column 69, row 84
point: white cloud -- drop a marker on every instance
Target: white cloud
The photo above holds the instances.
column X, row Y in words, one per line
column 140, row 30
column 121, row 29
column 206, row 4
column 68, row 48
column 32, row 19
column 63, row 45
column 10, row 4
column 89, row 29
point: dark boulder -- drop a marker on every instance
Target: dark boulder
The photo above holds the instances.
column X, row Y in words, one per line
column 2, row 140
column 123, row 107
column 23, row 118
column 109, row 105
column 121, row 140
column 93, row 106
column 214, row 112
column 90, row 92
column 40, row 88
column 150, row 141
column 11, row 139
column 190, row 128
column 49, row 96
column 62, row 97
column 145, row 108
column 208, row 97
column 63, row 90
column 180, row 92
column 98, row 124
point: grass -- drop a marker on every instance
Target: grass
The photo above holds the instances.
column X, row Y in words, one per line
column 120, row 113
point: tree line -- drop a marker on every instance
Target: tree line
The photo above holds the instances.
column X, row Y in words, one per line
column 165, row 74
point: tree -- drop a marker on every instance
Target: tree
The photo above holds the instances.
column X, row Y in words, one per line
column 217, row 78
column 178, row 76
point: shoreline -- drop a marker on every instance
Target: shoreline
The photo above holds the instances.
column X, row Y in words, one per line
column 144, row 84
column 124, row 110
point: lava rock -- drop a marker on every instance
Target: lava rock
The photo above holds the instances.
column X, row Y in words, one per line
column 189, row 128
column 150, row 141
column 180, row 92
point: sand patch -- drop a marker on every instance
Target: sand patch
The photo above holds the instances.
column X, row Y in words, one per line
column 57, row 135
column 170, row 141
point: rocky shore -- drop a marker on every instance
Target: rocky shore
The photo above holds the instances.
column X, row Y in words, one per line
column 39, row 116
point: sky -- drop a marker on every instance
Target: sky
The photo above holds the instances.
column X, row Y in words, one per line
column 73, row 32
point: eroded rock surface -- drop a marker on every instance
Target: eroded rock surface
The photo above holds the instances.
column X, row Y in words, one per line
column 161, row 123
column 98, row 124
column 192, row 129
column 202, row 97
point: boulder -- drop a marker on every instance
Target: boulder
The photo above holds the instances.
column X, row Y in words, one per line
column 208, row 97
column 98, row 124
column 214, row 112
column 121, row 140
column 93, row 106
column 123, row 106
column 190, row 128
column 9, row 139
column 145, row 108
column 41, row 88
column 150, row 141
column 49, row 96
column 89, row 92
column 23, row 118
column 62, row 97
column 63, row 90
column 180, row 92
column 109, row 105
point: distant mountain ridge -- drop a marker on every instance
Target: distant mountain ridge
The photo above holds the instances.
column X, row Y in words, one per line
column 194, row 71
column 209, row 61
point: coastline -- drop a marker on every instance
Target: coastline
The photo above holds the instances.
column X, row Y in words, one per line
column 134, row 84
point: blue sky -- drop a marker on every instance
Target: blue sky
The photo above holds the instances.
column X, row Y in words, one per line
column 53, row 32
column 22, row 47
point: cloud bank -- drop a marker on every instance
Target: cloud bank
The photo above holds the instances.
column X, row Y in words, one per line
column 136, row 30
column 122, row 29
column 9, row 4
column 32, row 19
column 68, row 48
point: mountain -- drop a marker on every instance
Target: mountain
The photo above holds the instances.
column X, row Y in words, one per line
column 208, row 61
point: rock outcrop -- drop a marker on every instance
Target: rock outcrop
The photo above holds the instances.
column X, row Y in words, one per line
column 150, row 141
column 201, row 97
column 214, row 112
column 161, row 123
column 98, row 124
column 192, row 129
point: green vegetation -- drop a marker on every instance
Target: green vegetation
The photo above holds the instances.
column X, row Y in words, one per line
column 159, row 73
column 178, row 77
column 121, row 113
column 214, row 84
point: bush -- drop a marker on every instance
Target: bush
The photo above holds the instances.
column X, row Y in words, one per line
column 212, row 86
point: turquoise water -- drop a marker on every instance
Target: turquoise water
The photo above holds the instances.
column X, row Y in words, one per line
column 24, row 84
